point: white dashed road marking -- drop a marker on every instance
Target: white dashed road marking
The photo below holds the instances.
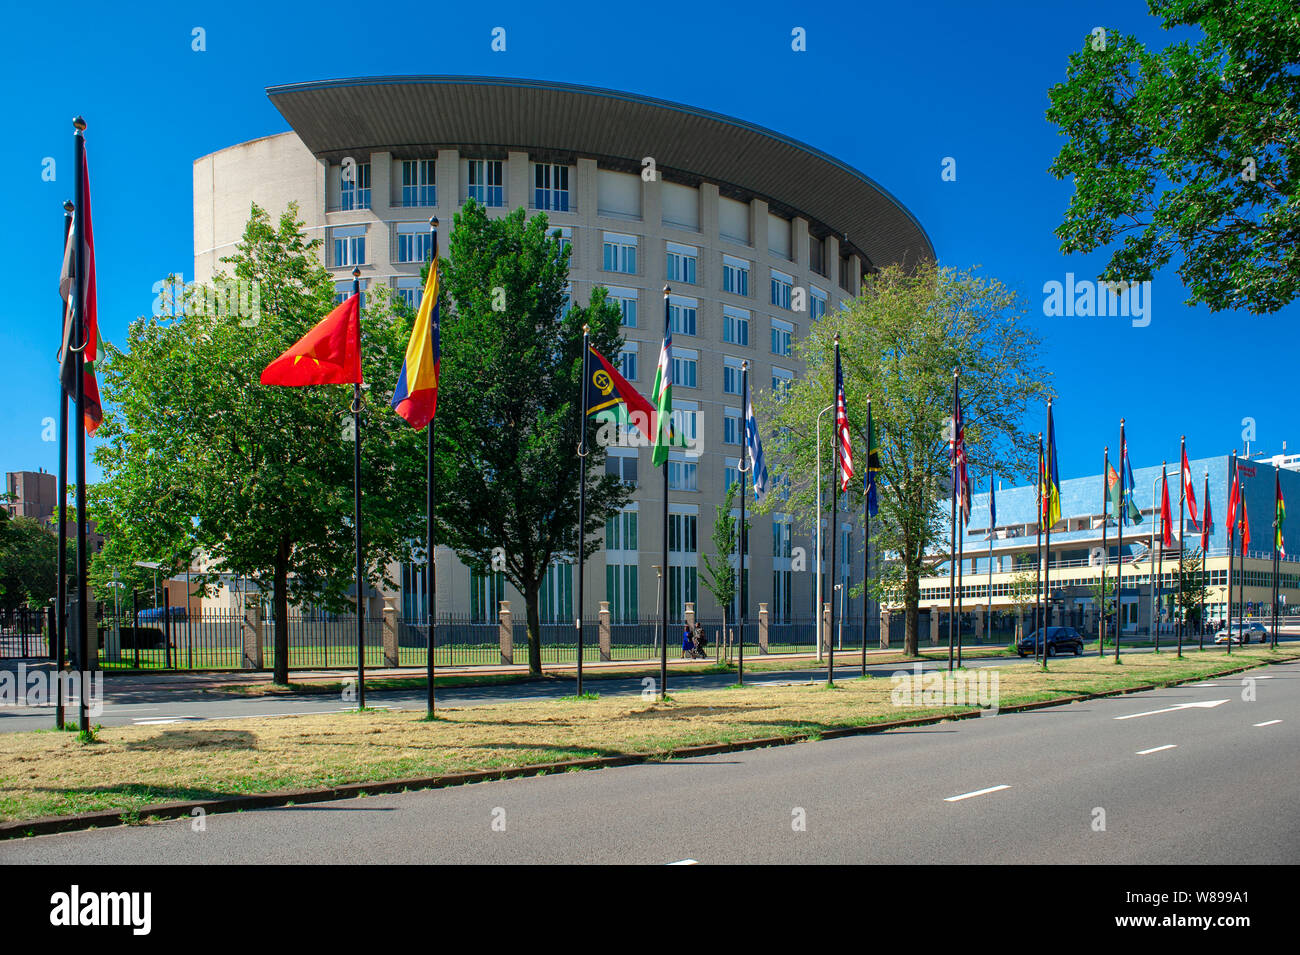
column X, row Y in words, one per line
column 978, row 792
column 1156, row 749
column 1268, row 722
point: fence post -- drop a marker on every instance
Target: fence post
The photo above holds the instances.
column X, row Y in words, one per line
column 392, row 656
column 979, row 626
column 884, row 629
column 92, row 641
column 824, row 627
column 934, row 626
column 689, row 614
column 250, row 629
column 506, row 629
column 604, row 630
column 762, row 628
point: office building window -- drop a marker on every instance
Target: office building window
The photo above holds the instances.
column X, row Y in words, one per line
column 556, row 603
column 349, row 246
column 419, row 182
column 627, row 361
column 683, row 537
column 485, row 180
column 551, row 187
column 414, row 242
column 685, row 362
column 732, row 373
column 682, row 261
column 621, row 592
column 735, row 275
column 682, row 315
column 409, row 290
column 782, row 584
column 735, row 326
column 817, row 254
column 625, row 299
column 816, row 303
column 619, row 253
column 683, row 475
column 782, row 288
column 782, row 333
column 781, row 379
column 354, row 187
column 486, row 591
column 731, row 429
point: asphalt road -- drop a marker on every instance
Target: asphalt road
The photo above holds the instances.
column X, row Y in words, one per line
column 173, row 702
column 1185, row 775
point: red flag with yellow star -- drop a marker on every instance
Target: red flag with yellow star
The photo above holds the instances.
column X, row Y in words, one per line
column 328, row 354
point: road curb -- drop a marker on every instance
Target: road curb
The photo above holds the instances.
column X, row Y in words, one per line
column 49, row 825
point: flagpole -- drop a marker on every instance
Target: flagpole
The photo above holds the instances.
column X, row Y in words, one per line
column 1039, row 635
column 61, row 616
column 1046, row 519
column 1182, row 528
column 952, row 547
column 1159, row 586
column 1241, row 572
column 1232, row 527
column 660, row 428
column 431, row 574
column 1205, row 553
column 79, row 328
column 961, row 569
column 1105, row 551
column 1277, row 531
column 582, row 490
column 1119, row 552
column 744, row 456
column 866, row 543
column 836, row 578
column 988, row 616
column 356, row 508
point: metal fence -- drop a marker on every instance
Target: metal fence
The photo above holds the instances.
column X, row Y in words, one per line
column 24, row 633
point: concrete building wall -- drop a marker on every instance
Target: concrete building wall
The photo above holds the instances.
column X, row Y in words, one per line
column 277, row 169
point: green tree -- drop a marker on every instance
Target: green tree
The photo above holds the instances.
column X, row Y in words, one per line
column 508, row 405
column 1023, row 593
column 900, row 341
column 198, row 455
column 29, row 556
column 1103, row 597
column 720, row 578
column 1192, row 592
column 1190, row 153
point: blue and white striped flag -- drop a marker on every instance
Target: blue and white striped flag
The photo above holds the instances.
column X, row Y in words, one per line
column 755, row 447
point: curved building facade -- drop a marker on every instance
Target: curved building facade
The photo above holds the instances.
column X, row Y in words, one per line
column 757, row 234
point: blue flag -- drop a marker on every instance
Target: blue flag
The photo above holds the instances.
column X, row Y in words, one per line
column 755, row 446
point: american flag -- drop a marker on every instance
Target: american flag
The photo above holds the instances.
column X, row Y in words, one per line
column 843, row 443
column 957, row 456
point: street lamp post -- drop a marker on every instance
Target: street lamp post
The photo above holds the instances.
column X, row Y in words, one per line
column 817, row 614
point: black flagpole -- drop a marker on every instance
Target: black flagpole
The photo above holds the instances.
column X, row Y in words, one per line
column 582, row 490
column 660, row 431
column 1241, row 573
column 1232, row 526
column 356, row 510
column 79, row 326
column 61, row 614
column 836, row 581
column 1046, row 519
column 744, row 457
column 1277, row 530
column 1204, row 558
column 1105, row 551
column 952, row 549
column 1119, row 553
column 1039, row 635
column 1182, row 529
column 866, row 545
column 431, row 578
column 961, row 568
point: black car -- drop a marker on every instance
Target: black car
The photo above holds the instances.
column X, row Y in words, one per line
column 1059, row 640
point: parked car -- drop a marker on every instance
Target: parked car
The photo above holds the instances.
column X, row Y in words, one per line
column 1059, row 640
column 1241, row 633
column 158, row 613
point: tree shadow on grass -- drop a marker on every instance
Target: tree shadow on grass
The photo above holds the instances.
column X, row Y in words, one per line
column 198, row 739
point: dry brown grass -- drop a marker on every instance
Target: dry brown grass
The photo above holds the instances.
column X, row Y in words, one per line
column 47, row 773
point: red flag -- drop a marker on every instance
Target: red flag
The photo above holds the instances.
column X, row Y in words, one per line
column 1233, row 497
column 1189, row 495
column 89, row 330
column 1245, row 528
column 328, row 354
column 1206, row 521
column 1166, row 532
column 843, row 441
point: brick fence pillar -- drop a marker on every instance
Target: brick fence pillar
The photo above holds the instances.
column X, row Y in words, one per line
column 604, row 630
column 506, row 630
column 825, row 630
column 763, row 621
column 689, row 614
column 251, row 629
column 392, row 655
column 884, row 629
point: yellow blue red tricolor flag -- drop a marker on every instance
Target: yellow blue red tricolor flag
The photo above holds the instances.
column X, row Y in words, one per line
column 416, row 396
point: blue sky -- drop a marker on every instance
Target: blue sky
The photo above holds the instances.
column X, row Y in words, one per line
column 891, row 89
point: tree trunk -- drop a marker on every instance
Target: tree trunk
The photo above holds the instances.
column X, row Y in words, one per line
column 280, row 601
column 534, row 632
column 911, row 609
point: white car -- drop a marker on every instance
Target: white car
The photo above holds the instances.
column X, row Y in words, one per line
column 1241, row 633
